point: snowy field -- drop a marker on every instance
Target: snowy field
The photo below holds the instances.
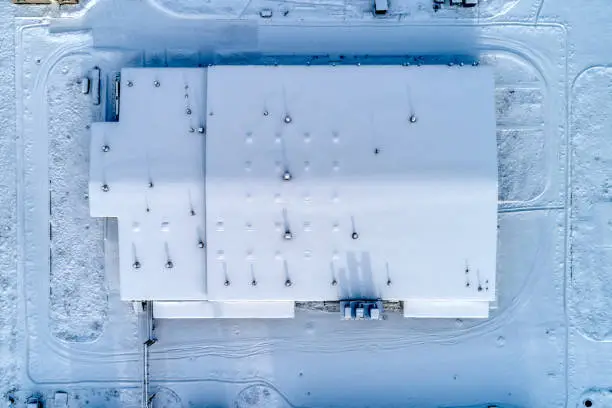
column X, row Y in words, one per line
column 548, row 342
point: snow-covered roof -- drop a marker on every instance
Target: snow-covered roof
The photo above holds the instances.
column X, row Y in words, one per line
column 309, row 183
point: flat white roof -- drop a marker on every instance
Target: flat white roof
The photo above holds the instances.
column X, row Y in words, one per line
column 421, row 194
column 154, row 173
column 226, row 310
column 391, row 190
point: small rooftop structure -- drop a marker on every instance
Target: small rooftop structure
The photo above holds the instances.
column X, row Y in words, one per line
column 242, row 189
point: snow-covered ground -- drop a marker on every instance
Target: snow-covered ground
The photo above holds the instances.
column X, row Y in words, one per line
column 547, row 344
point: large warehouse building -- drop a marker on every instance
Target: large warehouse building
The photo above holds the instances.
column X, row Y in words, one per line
column 240, row 190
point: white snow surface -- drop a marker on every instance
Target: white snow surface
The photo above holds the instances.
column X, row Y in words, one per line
column 545, row 345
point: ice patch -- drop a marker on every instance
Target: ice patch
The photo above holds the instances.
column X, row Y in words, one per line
column 591, row 224
column 522, row 166
column 78, row 294
column 260, row 396
column 10, row 332
column 165, row 398
column 596, row 398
